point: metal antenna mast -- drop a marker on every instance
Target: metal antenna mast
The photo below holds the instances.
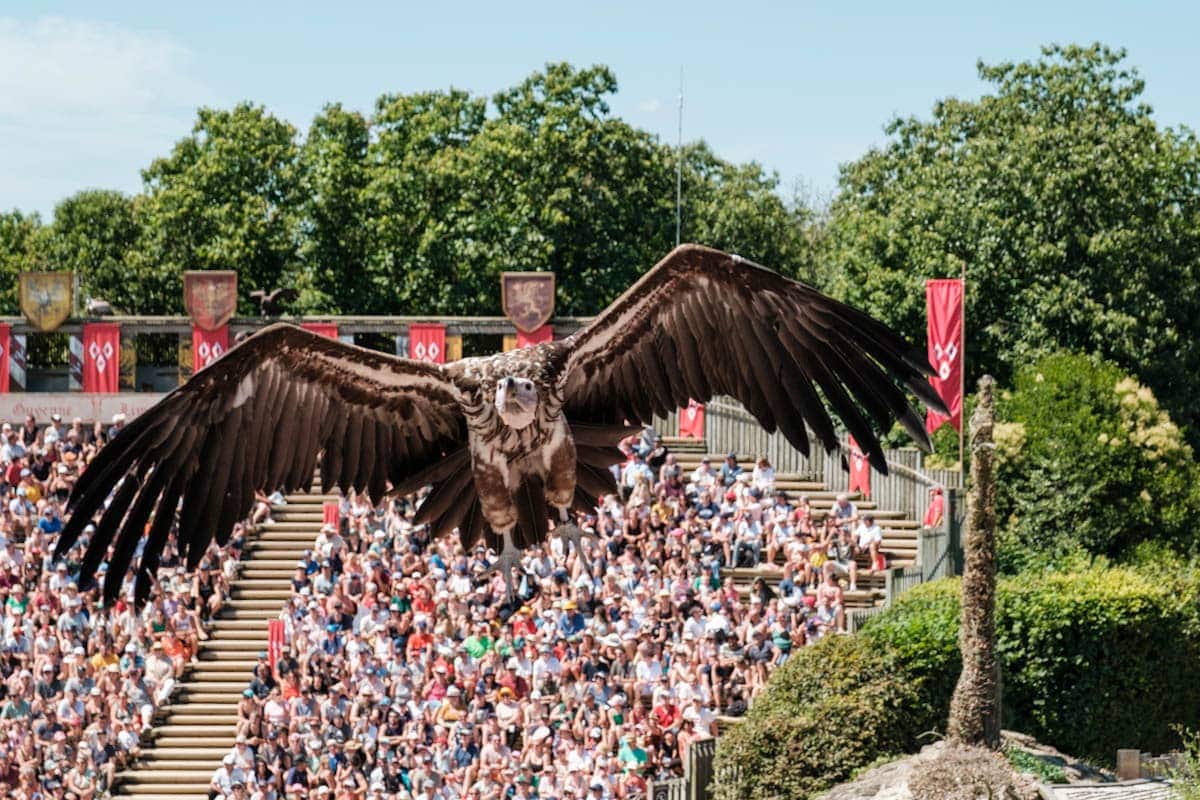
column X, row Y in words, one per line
column 679, row 166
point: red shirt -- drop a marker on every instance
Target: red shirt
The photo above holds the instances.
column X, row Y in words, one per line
column 666, row 715
column 933, row 516
column 419, row 640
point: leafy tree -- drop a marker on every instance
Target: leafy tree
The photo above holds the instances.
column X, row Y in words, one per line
column 18, row 233
column 93, row 234
column 335, row 243
column 738, row 208
column 1077, row 217
column 415, row 185
column 586, row 195
column 1086, row 460
column 550, row 180
column 225, row 198
column 419, row 207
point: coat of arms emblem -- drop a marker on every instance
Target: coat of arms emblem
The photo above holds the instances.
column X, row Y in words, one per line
column 210, row 297
column 527, row 298
column 46, row 298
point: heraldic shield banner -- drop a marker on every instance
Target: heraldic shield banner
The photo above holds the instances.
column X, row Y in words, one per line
column 46, row 298
column 527, row 298
column 210, row 297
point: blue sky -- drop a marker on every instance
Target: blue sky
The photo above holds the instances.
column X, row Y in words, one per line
column 91, row 92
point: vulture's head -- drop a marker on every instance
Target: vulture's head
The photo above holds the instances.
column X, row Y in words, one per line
column 516, row 400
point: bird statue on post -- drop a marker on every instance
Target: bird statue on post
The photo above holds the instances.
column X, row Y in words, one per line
column 511, row 443
column 98, row 308
column 271, row 304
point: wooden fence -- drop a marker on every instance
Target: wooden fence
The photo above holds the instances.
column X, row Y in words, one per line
column 696, row 783
column 731, row 428
column 670, row 789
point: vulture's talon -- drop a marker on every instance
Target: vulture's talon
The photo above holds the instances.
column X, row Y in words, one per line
column 571, row 533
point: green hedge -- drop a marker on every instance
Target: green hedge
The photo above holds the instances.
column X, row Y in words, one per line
column 806, row 731
column 1092, row 660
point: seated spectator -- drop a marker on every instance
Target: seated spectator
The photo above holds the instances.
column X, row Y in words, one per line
column 730, row 470
column 869, row 539
column 831, row 603
column 841, row 557
column 844, row 512
column 763, row 477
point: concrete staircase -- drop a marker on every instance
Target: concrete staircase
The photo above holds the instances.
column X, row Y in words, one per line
column 192, row 734
column 899, row 533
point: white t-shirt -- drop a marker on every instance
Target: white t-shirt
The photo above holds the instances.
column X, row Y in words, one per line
column 868, row 536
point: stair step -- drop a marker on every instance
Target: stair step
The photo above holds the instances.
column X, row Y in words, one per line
column 264, row 605
column 237, row 641
column 207, row 675
column 187, row 779
column 286, row 564
column 202, row 696
column 173, row 730
column 262, row 594
column 207, row 754
column 185, row 764
column 296, row 522
column 219, row 664
column 199, row 708
column 228, row 720
column 153, row 792
column 244, row 615
column 284, row 573
column 231, row 624
column 225, row 686
column 243, row 582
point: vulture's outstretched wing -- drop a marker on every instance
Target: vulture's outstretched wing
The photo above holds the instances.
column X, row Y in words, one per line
column 703, row 323
column 258, row 418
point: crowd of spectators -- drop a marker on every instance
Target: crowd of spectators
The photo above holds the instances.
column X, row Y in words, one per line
column 80, row 681
column 405, row 675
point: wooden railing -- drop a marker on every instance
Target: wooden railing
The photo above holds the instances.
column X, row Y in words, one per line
column 697, row 775
column 730, row 427
column 488, row 326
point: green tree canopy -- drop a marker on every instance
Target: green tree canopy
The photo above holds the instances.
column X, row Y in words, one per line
column 416, row 208
column 93, row 234
column 1077, row 219
column 335, row 241
column 1087, row 461
column 19, row 234
column 225, row 198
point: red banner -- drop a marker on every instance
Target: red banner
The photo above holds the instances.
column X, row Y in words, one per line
column 944, row 303
column 427, row 342
column 542, row 334
column 5, row 344
column 327, row 329
column 860, row 470
column 101, row 357
column 329, row 514
column 691, row 420
column 208, row 346
column 276, row 636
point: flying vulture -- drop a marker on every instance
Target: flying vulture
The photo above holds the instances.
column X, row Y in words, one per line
column 510, row 443
column 271, row 304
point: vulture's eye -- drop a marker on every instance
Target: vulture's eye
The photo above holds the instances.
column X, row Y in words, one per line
column 527, row 386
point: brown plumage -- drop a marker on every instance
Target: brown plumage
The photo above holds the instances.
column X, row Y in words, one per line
column 509, row 442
